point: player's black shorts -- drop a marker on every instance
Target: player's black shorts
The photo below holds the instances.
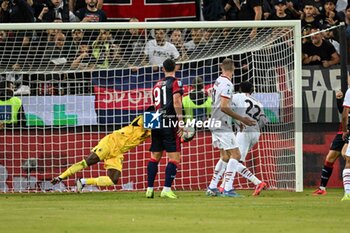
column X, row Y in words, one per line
column 165, row 139
column 337, row 143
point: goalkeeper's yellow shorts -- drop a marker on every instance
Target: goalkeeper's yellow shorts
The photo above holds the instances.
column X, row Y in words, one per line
column 108, row 151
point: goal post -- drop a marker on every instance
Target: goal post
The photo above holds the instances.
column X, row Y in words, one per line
column 298, row 113
column 80, row 81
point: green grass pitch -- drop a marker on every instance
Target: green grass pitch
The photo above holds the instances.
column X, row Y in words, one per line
column 127, row 212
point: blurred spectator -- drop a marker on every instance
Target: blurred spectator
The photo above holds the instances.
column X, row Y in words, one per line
column 329, row 15
column 116, row 57
column 319, row 6
column 213, row 10
column 57, row 9
column 197, row 104
column 60, row 40
column 56, row 57
column 18, row 53
column 3, row 38
column 226, row 33
column 341, row 5
column 243, row 68
column 49, row 35
column 84, row 59
column 210, row 36
column 294, row 8
column 308, row 17
column 232, row 6
column 251, row 10
column 231, row 9
column 11, row 108
column 196, row 42
column 77, row 38
column 267, row 9
column 23, row 88
column 4, row 11
column 132, row 44
column 57, row 52
column 75, row 5
column 280, row 12
column 176, row 39
column 80, row 82
column 91, row 13
column 305, row 32
column 319, row 51
column 103, row 50
column 347, row 23
column 38, row 6
column 158, row 49
column 17, row 11
column 20, row 80
column 329, row 35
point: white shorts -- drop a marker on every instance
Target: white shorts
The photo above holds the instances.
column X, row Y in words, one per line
column 347, row 153
column 225, row 140
column 245, row 141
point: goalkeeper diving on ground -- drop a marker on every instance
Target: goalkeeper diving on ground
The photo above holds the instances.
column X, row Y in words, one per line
column 110, row 150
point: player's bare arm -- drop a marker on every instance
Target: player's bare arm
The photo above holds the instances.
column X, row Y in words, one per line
column 225, row 107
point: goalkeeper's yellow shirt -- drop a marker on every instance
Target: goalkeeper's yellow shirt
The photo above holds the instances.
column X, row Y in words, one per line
column 112, row 147
column 131, row 136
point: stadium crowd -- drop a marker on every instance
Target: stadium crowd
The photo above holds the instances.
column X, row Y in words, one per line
column 85, row 50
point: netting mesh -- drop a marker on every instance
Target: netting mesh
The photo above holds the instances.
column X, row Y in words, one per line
column 62, row 51
column 83, row 84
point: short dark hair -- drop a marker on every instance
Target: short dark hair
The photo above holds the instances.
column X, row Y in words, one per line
column 332, row 1
column 246, row 87
column 5, row 81
column 197, row 83
column 169, row 65
column 308, row 3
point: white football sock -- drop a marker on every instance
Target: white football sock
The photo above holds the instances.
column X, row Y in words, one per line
column 346, row 180
column 222, row 185
column 220, row 168
column 244, row 171
column 230, row 173
column 83, row 181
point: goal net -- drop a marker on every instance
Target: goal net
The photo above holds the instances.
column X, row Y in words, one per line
column 80, row 82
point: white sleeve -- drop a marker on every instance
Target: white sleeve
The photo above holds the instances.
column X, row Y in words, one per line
column 346, row 102
column 147, row 47
column 174, row 51
column 226, row 90
column 73, row 18
column 234, row 105
column 262, row 118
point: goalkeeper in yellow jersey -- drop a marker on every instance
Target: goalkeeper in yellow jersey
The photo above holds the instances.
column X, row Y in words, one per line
column 110, row 150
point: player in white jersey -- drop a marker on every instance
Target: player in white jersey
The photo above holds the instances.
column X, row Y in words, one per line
column 246, row 105
column 346, row 171
column 223, row 137
column 158, row 50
